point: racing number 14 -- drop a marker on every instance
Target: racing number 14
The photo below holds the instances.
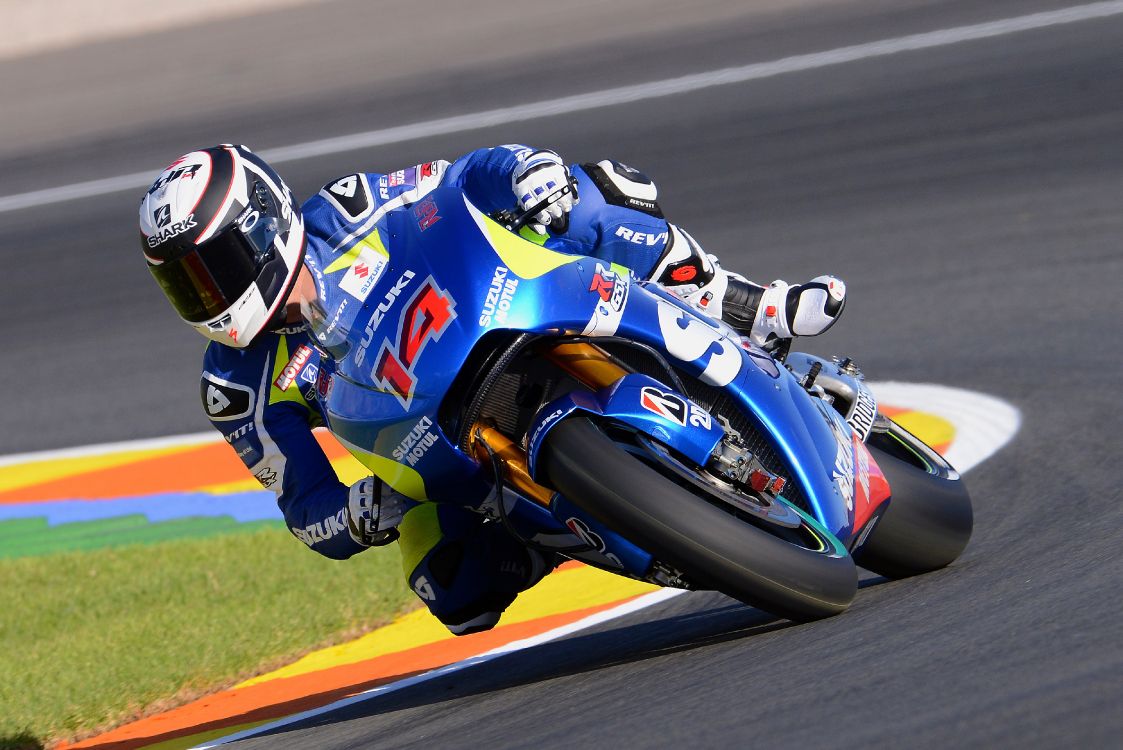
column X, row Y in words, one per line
column 425, row 317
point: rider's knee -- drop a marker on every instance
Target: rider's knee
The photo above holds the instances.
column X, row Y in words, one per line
column 478, row 624
column 482, row 614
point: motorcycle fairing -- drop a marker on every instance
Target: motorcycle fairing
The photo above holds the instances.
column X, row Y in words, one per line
column 640, row 402
column 544, row 292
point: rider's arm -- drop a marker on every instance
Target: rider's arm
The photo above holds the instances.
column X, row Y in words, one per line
column 505, row 177
column 485, row 175
column 271, row 431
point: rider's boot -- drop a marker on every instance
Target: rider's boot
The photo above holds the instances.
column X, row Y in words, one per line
column 766, row 315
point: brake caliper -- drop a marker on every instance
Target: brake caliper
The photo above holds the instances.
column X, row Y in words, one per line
column 733, row 461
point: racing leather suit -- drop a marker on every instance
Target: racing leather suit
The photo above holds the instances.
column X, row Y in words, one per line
column 263, row 398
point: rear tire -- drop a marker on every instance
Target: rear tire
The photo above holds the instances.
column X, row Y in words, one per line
column 702, row 539
column 929, row 519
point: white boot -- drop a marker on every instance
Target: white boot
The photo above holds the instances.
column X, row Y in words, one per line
column 786, row 310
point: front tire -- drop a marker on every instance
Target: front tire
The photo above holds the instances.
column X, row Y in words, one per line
column 702, row 539
column 929, row 519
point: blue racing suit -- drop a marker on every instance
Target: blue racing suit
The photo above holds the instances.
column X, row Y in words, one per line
column 263, row 398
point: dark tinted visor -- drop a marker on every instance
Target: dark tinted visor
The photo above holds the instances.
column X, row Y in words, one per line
column 206, row 281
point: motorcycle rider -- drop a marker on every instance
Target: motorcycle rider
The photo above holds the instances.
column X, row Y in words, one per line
column 224, row 237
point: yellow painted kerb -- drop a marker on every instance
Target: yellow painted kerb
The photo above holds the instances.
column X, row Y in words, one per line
column 561, row 591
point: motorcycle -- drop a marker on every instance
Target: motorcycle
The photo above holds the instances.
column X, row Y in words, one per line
column 600, row 417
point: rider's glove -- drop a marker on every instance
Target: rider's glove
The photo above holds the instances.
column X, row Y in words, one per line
column 788, row 310
column 542, row 176
column 373, row 512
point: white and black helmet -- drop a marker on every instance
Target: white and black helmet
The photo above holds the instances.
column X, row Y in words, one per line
column 224, row 238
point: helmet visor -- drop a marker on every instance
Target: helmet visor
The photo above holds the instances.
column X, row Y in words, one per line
column 208, row 280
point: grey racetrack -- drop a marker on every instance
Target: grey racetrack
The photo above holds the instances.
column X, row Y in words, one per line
column 971, row 195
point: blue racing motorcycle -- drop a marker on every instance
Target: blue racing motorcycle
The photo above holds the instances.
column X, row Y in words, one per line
column 600, row 417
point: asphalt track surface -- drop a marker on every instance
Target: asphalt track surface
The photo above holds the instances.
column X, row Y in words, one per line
column 971, row 197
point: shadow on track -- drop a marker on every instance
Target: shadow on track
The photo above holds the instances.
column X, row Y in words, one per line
column 720, row 621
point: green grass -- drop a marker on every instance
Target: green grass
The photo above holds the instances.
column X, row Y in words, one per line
column 26, row 537
column 92, row 638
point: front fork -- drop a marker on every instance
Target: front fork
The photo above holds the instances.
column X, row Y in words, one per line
column 586, row 363
column 598, row 545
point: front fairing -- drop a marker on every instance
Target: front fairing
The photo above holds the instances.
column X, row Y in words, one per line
column 452, row 276
column 812, row 440
column 447, row 276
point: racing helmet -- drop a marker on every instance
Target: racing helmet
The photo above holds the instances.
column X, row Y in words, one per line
column 224, row 238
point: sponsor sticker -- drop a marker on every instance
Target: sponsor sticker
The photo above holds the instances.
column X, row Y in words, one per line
column 426, row 213
column 173, row 173
column 862, row 475
column 345, row 187
column 295, row 364
column 172, row 229
column 321, row 531
column 245, row 444
column 224, row 400
column 550, row 418
column 334, row 322
column 863, row 413
column 238, row 433
column 267, row 477
column 424, row 589
column 581, row 530
column 674, row 408
column 401, row 177
column 323, row 384
column 350, row 196
column 842, row 474
column 500, row 294
column 363, row 274
column 416, row 444
column 683, row 274
column 689, row 338
column 612, row 289
column 648, row 239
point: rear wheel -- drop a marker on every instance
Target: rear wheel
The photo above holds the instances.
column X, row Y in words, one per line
column 779, row 560
column 929, row 519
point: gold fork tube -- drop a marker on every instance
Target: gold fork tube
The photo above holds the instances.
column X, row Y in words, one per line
column 512, row 457
column 587, row 363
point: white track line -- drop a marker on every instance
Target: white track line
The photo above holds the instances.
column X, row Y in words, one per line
column 143, row 444
column 603, row 98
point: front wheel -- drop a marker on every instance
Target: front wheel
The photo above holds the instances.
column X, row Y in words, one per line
column 801, row 573
column 929, row 519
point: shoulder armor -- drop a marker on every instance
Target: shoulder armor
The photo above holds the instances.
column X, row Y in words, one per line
column 350, row 196
column 623, row 186
column 223, row 400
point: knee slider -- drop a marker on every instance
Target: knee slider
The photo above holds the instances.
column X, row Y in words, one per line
column 480, row 615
